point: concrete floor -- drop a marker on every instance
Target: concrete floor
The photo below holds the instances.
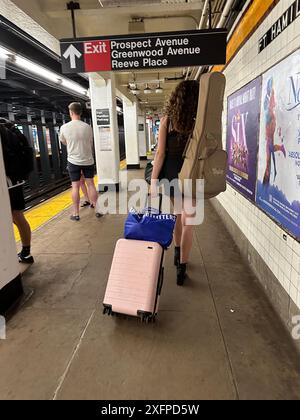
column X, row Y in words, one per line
column 216, row 338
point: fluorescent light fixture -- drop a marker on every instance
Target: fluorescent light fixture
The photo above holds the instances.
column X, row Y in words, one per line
column 135, row 91
column 4, row 53
column 36, row 69
column 40, row 71
column 147, row 90
column 75, row 87
column 159, row 89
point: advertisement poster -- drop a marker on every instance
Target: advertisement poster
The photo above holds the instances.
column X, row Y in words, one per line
column 278, row 184
column 242, row 138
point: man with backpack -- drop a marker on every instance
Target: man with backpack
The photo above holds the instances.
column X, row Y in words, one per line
column 18, row 161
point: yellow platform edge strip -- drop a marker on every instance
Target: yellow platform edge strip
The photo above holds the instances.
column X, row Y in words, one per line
column 46, row 211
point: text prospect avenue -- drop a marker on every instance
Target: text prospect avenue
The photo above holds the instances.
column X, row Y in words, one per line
column 164, row 50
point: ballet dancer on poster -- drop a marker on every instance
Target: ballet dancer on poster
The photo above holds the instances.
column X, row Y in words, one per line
column 270, row 116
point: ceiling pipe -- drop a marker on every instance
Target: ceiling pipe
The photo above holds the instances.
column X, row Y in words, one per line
column 142, row 18
column 238, row 19
column 205, row 7
column 225, row 13
column 200, row 26
column 198, row 73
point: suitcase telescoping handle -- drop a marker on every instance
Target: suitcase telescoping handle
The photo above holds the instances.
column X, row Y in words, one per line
column 149, row 198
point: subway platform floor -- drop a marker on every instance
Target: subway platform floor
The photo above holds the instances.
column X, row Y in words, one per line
column 216, row 338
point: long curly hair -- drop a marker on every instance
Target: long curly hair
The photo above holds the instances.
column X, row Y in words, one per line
column 181, row 108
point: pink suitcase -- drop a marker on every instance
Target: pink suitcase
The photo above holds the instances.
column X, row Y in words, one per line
column 135, row 280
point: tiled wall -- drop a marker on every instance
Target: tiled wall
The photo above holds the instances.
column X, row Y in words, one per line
column 279, row 250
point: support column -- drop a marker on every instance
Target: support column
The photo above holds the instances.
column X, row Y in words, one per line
column 11, row 115
column 34, row 180
column 54, row 148
column 44, row 153
column 131, row 134
column 106, row 133
column 142, row 137
column 10, row 280
column 64, row 154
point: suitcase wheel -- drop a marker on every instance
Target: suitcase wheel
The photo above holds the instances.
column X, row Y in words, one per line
column 107, row 310
column 146, row 317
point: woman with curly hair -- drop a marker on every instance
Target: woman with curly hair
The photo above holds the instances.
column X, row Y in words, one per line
column 175, row 129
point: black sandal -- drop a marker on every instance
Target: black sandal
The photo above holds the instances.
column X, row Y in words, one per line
column 181, row 274
column 177, row 256
column 85, row 204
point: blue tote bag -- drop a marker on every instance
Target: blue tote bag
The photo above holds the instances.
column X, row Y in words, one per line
column 150, row 227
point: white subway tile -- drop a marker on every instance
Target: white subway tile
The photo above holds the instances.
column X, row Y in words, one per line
column 283, row 257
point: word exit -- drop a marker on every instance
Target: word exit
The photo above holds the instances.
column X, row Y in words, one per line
column 96, row 47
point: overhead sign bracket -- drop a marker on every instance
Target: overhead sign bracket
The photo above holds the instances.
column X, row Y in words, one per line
column 72, row 6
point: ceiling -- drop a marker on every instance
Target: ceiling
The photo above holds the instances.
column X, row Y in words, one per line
column 115, row 17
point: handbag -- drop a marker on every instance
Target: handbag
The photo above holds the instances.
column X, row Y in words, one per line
column 150, row 227
column 149, row 170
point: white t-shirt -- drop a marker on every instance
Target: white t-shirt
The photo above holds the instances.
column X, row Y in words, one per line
column 78, row 137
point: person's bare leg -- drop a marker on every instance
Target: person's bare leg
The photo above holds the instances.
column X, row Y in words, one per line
column 84, row 190
column 76, row 197
column 185, row 250
column 92, row 192
column 178, row 231
column 23, row 227
column 188, row 214
column 25, row 233
column 177, row 208
column 186, row 243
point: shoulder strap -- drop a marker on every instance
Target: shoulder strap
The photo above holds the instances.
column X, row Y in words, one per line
column 187, row 146
column 189, row 140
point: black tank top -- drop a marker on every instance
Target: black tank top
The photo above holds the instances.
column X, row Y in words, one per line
column 176, row 144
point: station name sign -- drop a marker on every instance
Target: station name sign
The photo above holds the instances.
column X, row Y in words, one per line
column 288, row 17
column 147, row 51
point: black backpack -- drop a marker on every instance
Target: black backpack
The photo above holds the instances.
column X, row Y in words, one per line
column 17, row 153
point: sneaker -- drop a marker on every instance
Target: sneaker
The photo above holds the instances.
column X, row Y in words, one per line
column 99, row 215
column 25, row 260
column 75, row 218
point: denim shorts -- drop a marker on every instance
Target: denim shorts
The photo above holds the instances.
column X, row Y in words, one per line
column 77, row 171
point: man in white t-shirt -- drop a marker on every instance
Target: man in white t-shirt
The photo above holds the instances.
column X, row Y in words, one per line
column 78, row 137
